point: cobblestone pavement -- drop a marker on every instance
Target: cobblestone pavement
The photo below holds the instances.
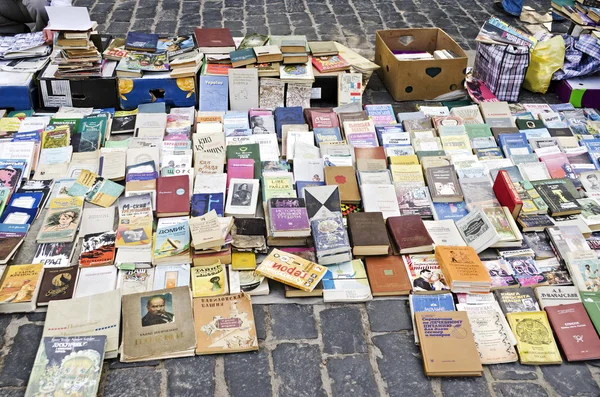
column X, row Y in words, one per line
column 322, row 350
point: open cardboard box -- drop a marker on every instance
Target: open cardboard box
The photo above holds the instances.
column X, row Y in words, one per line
column 414, row 80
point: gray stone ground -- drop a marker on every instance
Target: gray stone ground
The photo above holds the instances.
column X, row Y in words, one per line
column 322, row 350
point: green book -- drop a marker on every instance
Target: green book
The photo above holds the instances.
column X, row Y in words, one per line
column 117, row 144
column 424, row 153
column 246, row 54
column 91, row 132
column 21, row 113
column 591, row 302
column 478, row 130
column 72, row 123
column 456, row 104
column 248, row 151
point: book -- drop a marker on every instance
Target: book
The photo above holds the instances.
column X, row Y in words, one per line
column 291, row 269
column 213, row 93
column 559, row 199
column 322, row 201
column 19, row 288
column 572, row 326
column 535, row 342
column 54, row 254
column 443, row 184
column 463, row 269
column 332, row 244
column 507, row 194
column 61, row 221
column 12, row 235
column 501, row 273
column 584, row 268
column 85, row 317
column 171, row 242
column 387, row 276
column 171, row 276
column 57, row 284
column 214, row 40
column 209, row 280
column 243, row 89
column 447, row 344
column 444, row 232
column 59, row 355
column 172, row 196
column 425, row 274
column 516, row 300
column 224, row 327
column 330, row 63
column 95, row 280
column 408, row 234
column 346, row 282
column 138, row 41
column 96, row 189
column 206, row 231
column 477, row 231
column 553, row 295
column 135, row 221
column 158, row 314
column 98, row 249
column 345, row 179
column 368, row 233
column 288, row 217
column 135, row 281
column 242, row 198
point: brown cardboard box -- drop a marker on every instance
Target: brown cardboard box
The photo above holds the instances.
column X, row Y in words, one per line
column 419, row 79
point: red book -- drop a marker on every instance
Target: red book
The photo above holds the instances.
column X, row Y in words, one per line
column 409, row 234
column 172, row 196
column 240, row 168
column 214, row 40
column 506, row 193
column 218, row 69
column 331, row 63
column 575, row 331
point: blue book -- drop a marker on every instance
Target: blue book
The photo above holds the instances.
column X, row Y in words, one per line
column 20, row 216
column 141, row 176
column 452, row 211
column 214, row 93
column 432, row 303
column 243, row 55
column 154, row 107
column 138, row 41
column 489, row 153
column 300, row 185
column 381, row 130
column 13, row 228
column 291, row 115
column 512, row 139
column 203, row 203
column 27, row 136
column 331, row 239
column 562, row 107
column 327, row 135
column 593, row 147
column 381, row 114
column 26, row 200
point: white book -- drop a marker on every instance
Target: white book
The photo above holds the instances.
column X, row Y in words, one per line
column 307, row 137
column 308, row 170
column 113, row 163
column 380, row 198
column 171, row 276
column 554, row 295
column 97, row 220
column 147, row 132
column 146, row 141
column 189, row 111
column 268, row 146
column 210, row 183
column 34, row 123
column 242, row 197
column 243, row 88
column 306, row 151
column 444, row 233
column 239, row 140
column 141, row 257
column 19, row 150
column 142, row 155
column 135, row 281
column 95, row 280
column 233, row 278
column 440, row 111
column 209, row 127
column 349, row 88
column 151, row 120
column 75, row 167
column 534, row 171
column 56, row 155
column 477, row 231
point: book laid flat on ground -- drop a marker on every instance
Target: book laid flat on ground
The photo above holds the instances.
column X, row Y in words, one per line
column 516, row 300
column 535, row 342
column 156, row 325
column 447, row 344
column 387, row 276
column 89, row 316
column 346, row 282
column 575, row 332
column 292, row 270
column 67, row 364
column 19, row 288
column 409, row 235
column 224, row 325
column 57, row 284
column 368, row 234
column 463, row 269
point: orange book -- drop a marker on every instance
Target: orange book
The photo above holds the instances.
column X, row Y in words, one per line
column 345, row 178
column 462, row 264
column 387, row 276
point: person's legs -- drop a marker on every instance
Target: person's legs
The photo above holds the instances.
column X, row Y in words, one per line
column 15, row 14
column 36, row 9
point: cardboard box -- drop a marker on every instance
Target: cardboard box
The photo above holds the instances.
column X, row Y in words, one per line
column 92, row 92
column 416, row 80
column 17, row 91
column 179, row 92
column 583, row 92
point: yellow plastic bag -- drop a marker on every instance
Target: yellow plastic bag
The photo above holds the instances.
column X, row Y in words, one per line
column 547, row 57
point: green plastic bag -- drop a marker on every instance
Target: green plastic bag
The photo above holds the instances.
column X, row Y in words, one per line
column 547, row 57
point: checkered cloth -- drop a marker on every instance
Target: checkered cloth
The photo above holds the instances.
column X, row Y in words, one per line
column 582, row 57
column 502, row 68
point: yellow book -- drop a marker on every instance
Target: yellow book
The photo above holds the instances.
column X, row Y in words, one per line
column 409, row 159
column 243, row 261
column 292, row 270
column 19, row 287
column 535, row 342
column 452, row 143
column 407, row 173
column 10, row 124
column 209, row 280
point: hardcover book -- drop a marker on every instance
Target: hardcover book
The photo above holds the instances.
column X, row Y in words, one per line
column 409, row 234
column 387, row 276
column 517, row 300
column 158, row 316
column 443, row 184
column 172, row 196
column 553, row 295
column 368, row 233
column 322, row 201
column 331, row 240
column 345, row 179
column 224, row 327
column 576, row 334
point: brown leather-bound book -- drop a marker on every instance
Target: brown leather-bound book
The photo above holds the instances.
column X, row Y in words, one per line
column 409, row 234
column 575, row 331
column 345, row 178
column 368, row 234
column 447, row 344
column 387, row 276
column 214, row 40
